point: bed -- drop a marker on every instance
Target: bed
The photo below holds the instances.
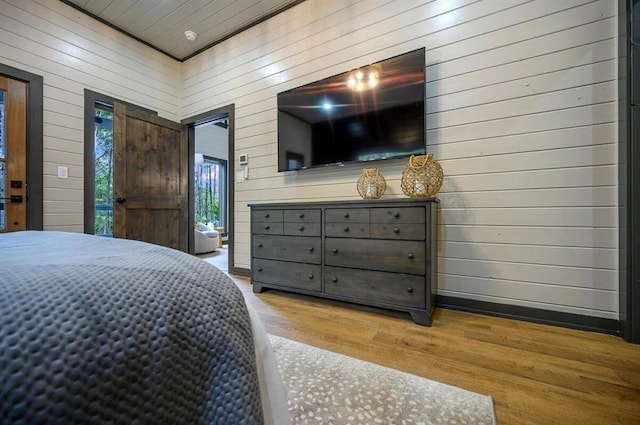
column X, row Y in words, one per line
column 103, row 330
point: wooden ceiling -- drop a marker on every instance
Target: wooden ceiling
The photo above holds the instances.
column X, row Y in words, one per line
column 161, row 23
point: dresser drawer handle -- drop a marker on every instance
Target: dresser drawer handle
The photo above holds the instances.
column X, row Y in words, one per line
column 334, row 250
column 259, row 269
column 346, row 215
column 267, row 227
column 310, row 276
column 346, row 228
column 267, row 216
column 410, row 256
column 301, row 215
column 260, row 245
column 310, row 249
column 396, row 214
column 396, row 230
column 301, row 228
column 334, row 279
column 410, row 290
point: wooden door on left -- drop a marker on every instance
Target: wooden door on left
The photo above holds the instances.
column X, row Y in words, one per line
column 13, row 155
column 150, row 185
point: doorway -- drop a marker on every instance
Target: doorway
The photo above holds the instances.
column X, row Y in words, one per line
column 96, row 205
column 32, row 186
column 212, row 134
column 13, row 155
column 136, row 174
column 211, row 174
column 30, row 164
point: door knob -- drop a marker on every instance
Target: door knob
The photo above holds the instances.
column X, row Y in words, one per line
column 121, row 200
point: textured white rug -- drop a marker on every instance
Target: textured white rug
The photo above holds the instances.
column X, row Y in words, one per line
column 332, row 389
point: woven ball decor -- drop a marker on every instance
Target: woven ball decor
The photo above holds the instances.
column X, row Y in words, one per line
column 421, row 177
column 371, row 184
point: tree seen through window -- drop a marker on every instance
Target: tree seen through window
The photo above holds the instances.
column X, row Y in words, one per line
column 209, row 179
column 103, row 224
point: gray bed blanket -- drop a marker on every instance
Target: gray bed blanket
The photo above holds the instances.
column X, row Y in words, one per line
column 97, row 330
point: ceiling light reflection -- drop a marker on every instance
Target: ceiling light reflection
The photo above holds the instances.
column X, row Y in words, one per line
column 357, row 80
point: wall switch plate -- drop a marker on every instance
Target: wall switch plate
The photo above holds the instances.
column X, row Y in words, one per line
column 243, row 159
column 63, row 172
column 239, row 176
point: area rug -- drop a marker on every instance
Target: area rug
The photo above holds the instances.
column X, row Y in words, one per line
column 332, row 389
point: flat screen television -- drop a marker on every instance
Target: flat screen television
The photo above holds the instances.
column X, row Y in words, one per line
column 370, row 113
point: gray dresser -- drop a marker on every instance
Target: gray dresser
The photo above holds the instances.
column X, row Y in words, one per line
column 378, row 253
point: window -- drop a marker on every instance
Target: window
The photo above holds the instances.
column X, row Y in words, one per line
column 103, row 150
column 210, row 179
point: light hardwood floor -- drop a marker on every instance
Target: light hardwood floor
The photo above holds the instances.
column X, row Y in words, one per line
column 536, row 374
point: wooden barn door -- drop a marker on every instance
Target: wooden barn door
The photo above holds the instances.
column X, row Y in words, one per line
column 150, row 178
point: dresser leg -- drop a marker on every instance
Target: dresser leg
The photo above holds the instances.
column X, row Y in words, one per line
column 420, row 317
column 257, row 288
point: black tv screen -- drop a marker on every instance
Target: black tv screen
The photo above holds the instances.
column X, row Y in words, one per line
column 370, row 113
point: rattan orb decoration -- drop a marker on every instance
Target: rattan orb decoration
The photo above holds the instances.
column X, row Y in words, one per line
column 421, row 177
column 371, row 184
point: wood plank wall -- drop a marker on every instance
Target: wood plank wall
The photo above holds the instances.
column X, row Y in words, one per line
column 72, row 52
column 521, row 113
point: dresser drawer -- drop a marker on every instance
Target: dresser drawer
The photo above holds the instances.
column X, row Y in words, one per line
column 266, row 228
column 398, row 215
column 400, row 289
column 347, row 230
column 290, row 248
column 302, row 229
column 302, row 216
column 266, row 216
column 293, row 275
column 375, row 254
column 347, row 215
column 410, row 232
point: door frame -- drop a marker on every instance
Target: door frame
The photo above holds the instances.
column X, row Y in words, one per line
column 628, row 173
column 191, row 122
column 35, row 172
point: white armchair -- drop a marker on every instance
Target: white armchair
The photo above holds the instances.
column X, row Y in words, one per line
column 206, row 239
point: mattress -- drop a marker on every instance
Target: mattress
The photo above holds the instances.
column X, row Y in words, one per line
column 103, row 330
